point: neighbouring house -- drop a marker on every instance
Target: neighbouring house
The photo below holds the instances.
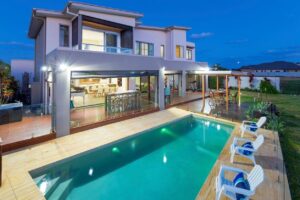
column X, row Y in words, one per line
column 284, row 76
column 94, row 63
column 23, row 71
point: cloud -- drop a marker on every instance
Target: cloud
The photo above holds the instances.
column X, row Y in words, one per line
column 201, row 35
column 291, row 51
column 237, row 42
column 18, row 44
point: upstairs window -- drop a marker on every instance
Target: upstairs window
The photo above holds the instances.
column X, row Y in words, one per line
column 162, row 51
column 63, row 36
column 189, row 53
column 179, row 51
column 145, row 49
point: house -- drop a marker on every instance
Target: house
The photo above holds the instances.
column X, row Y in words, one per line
column 23, row 71
column 284, row 76
column 94, row 62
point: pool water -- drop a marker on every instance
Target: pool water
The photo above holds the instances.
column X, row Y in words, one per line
column 168, row 162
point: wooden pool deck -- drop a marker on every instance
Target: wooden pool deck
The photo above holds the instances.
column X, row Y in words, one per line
column 269, row 156
column 18, row 184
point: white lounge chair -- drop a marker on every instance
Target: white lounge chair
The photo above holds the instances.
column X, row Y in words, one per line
column 242, row 186
column 252, row 127
column 247, row 149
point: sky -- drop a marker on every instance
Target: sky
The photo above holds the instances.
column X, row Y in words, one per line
column 232, row 33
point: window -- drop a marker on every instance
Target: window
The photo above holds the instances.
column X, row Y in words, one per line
column 63, row 36
column 189, row 53
column 179, row 51
column 145, row 49
column 162, row 51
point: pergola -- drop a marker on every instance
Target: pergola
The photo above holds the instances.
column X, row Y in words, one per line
column 225, row 74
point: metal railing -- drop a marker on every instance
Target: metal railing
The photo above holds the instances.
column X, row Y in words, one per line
column 107, row 49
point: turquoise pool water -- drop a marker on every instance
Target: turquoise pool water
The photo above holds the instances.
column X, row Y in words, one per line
column 167, row 162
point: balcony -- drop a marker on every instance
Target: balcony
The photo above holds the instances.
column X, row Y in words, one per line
column 106, row 49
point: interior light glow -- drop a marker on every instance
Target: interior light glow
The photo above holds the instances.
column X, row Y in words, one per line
column 218, row 127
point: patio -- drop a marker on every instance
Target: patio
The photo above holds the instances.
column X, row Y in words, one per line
column 17, row 183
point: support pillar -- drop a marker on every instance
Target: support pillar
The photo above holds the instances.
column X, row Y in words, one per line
column 239, row 90
column 183, row 83
column 217, row 87
column 227, row 93
column 161, row 88
column 61, row 102
column 203, row 92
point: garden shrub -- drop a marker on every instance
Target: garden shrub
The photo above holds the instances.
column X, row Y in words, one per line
column 266, row 87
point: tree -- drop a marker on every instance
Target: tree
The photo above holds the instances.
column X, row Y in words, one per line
column 219, row 67
column 8, row 84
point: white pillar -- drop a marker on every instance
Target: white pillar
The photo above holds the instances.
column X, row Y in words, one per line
column 61, row 102
column 206, row 83
column 161, row 88
column 183, row 83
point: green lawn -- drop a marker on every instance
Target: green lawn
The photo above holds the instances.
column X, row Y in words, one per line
column 289, row 107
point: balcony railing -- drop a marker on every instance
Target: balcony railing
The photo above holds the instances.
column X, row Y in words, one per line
column 107, row 49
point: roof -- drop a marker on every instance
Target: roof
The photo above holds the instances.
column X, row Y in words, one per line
column 38, row 15
column 278, row 65
column 163, row 28
column 76, row 6
column 72, row 8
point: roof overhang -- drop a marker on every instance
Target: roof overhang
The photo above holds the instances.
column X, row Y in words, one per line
column 76, row 6
column 224, row 73
column 156, row 28
column 38, row 17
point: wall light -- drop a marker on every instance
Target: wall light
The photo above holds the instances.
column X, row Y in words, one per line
column 62, row 67
column 44, row 68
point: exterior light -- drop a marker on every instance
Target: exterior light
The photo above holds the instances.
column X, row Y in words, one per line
column 218, row 127
column 44, row 68
column 63, row 67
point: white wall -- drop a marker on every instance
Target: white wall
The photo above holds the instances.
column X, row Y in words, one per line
column 275, row 81
column 151, row 36
column 177, row 37
column 129, row 21
column 52, row 33
column 40, row 48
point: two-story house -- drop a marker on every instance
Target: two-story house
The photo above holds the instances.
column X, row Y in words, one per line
column 94, row 63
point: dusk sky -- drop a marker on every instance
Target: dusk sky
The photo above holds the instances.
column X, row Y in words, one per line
column 230, row 32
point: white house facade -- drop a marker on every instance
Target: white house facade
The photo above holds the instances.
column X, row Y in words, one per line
column 104, row 59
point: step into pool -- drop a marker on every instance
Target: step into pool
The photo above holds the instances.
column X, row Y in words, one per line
column 171, row 161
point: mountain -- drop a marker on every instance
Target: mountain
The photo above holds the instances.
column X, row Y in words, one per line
column 277, row 65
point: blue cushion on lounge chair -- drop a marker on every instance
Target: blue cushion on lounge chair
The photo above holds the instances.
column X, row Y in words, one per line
column 246, row 152
column 240, row 182
column 253, row 127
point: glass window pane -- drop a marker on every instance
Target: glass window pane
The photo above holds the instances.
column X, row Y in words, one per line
column 63, row 36
column 162, row 51
column 92, row 39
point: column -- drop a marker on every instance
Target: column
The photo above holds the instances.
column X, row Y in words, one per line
column 239, row 90
column 161, row 88
column 227, row 94
column 61, row 102
column 183, row 83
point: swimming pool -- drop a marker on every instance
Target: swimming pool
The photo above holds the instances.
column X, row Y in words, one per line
column 167, row 162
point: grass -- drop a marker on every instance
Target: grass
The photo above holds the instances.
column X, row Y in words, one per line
column 289, row 108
